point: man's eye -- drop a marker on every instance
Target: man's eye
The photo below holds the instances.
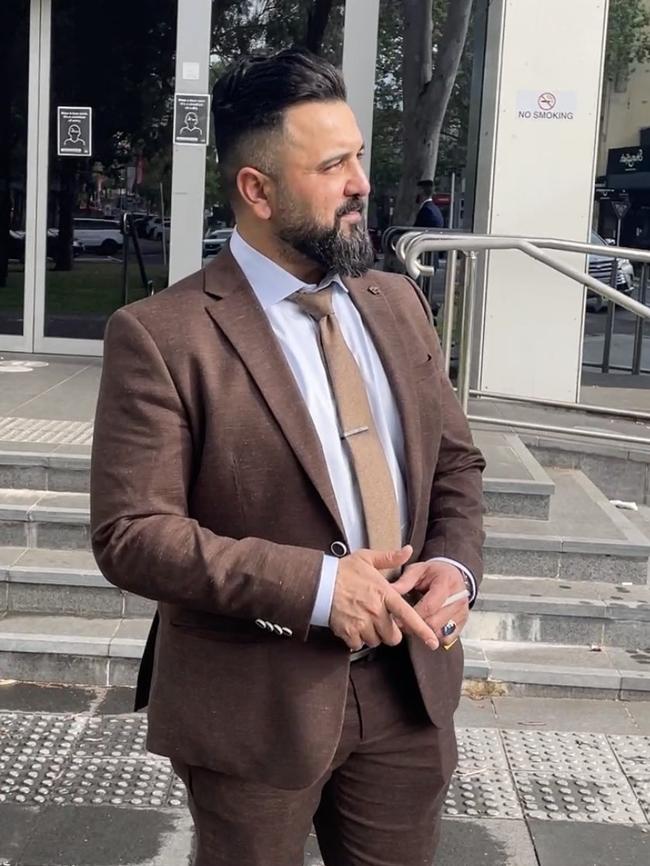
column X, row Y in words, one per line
column 334, row 165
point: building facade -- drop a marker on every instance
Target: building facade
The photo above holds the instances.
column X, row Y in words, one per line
column 107, row 111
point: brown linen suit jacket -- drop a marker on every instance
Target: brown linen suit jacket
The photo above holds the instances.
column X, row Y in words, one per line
column 210, row 494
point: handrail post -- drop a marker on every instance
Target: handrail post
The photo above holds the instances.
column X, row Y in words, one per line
column 611, row 321
column 639, row 324
column 126, row 226
column 467, row 330
column 449, row 308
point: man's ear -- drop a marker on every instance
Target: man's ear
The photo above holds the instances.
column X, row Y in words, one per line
column 254, row 189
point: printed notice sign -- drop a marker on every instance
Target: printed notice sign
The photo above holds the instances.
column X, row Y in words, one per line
column 547, row 105
column 191, row 118
column 75, row 131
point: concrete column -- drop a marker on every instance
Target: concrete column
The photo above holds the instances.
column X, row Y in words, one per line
column 188, row 175
column 536, row 170
column 360, row 64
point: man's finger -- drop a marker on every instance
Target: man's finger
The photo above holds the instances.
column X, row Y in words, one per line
column 408, row 580
column 411, row 621
column 388, row 630
column 384, row 559
column 434, row 599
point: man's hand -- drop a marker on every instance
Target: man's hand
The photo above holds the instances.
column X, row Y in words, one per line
column 366, row 606
column 436, row 582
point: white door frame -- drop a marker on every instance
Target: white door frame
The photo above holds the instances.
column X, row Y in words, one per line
column 33, row 338
column 43, row 344
column 24, row 342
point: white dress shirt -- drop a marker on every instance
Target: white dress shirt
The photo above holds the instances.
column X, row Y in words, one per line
column 297, row 335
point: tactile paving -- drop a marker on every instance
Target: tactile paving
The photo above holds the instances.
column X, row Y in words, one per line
column 177, row 794
column 482, row 785
column 30, row 778
column 633, row 752
column 114, row 781
column 31, row 733
column 560, row 754
column 479, row 749
column 570, row 799
column 491, row 795
column 114, row 737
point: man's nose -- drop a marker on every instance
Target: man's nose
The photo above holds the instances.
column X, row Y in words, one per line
column 358, row 183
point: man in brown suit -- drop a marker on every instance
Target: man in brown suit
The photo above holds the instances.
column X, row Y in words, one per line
column 275, row 439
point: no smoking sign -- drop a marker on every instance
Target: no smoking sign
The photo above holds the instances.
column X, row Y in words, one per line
column 547, row 105
column 547, row 101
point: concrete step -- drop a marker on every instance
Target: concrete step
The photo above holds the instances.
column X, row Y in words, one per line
column 514, row 482
column 541, row 669
column 65, row 469
column 44, row 519
column 106, row 652
column 620, row 468
column 561, row 612
column 71, row 650
column 585, row 538
column 62, row 582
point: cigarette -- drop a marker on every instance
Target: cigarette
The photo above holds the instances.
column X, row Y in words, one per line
column 456, row 597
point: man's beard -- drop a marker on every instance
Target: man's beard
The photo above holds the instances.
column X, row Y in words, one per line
column 349, row 255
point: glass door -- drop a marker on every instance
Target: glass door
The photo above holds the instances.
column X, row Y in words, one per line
column 109, row 85
column 15, row 236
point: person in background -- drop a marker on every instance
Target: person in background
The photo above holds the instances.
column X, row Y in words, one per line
column 429, row 215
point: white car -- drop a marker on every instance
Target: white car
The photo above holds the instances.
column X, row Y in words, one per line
column 214, row 241
column 157, row 231
column 103, row 236
column 600, row 267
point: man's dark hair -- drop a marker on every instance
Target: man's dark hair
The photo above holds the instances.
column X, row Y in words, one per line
column 249, row 101
column 426, row 186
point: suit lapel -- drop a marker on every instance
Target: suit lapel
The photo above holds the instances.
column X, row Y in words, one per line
column 232, row 305
column 380, row 321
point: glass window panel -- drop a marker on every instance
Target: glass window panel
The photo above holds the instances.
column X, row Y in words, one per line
column 14, row 58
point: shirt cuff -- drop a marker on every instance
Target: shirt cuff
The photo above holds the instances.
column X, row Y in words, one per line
column 323, row 604
column 471, row 581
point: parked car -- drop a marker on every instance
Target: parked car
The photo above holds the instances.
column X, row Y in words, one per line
column 214, row 241
column 152, row 222
column 17, row 245
column 600, row 267
column 103, row 236
column 157, row 231
column 53, row 240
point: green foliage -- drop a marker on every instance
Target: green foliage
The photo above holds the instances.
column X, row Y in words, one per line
column 628, row 39
column 388, row 121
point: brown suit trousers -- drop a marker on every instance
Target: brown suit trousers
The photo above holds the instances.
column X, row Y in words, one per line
column 378, row 804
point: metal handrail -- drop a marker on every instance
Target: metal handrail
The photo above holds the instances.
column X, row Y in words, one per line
column 413, row 247
column 413, row 243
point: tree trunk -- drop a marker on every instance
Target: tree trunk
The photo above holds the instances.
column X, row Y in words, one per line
column 67, row 194
column 318, row 17
column 427, row 91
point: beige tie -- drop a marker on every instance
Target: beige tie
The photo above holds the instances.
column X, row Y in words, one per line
column 356, row 425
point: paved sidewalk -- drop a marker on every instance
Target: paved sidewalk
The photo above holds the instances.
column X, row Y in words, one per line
column 64, row 389
column 78, row 789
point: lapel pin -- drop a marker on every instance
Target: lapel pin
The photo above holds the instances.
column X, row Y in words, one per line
column 374, row 290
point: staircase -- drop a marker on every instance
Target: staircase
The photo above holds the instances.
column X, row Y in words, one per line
column 564, row 608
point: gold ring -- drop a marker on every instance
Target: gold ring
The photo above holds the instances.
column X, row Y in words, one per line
column 448, row 646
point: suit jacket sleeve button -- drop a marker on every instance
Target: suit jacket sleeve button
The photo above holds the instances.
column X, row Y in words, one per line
column 339, row 549
column 260, row 623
